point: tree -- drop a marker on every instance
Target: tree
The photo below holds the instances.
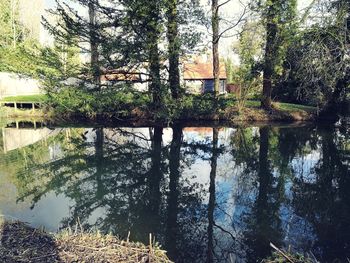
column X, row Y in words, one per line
column 278, row 17
column 217, row 35
column 342, row 24
column 10, row 27
column 249, row 50
column 94, row 54
column 174, row 48
column 270, row 52
column 152, row 39
column 215, row 43
column 318, row 67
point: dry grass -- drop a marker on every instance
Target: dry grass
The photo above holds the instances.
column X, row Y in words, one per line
column 21, row 243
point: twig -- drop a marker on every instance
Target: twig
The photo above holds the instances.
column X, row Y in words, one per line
column 281, row 252
column 45, row 256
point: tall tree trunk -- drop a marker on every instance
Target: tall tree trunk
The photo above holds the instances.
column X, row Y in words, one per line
column 215, row 43
column 173, row 49
column 94, row 60
column 270, row 54
column 155, row 86
column 212, row 196
column 153, row 35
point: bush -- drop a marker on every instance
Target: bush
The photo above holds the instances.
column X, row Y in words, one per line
column 77, row 101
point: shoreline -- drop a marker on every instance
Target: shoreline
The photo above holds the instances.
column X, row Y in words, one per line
column 23, row 243
column 229, row 116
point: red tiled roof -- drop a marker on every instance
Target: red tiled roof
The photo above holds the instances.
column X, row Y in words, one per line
column 198, row 71
column 120, row 76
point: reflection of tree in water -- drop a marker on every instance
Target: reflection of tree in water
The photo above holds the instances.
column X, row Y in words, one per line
column 324, row 200
column 263, row 224
column 172, row 228
column 121, row 180
column 265, row 160
column 117, row 183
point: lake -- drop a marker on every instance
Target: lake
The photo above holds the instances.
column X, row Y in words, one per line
column 206, row 194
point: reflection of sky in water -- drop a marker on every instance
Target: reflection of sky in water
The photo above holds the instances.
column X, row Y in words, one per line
column 304, row 165
column 48, row 212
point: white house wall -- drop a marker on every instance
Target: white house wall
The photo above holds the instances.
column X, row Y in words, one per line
column 14, row 85
column 194, row 86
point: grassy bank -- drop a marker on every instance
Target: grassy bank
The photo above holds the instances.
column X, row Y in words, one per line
column 28, row 98
column 22, row 243
column 129, row 106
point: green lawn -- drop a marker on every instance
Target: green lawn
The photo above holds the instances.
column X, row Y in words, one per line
column 28, row 98
column 253, row 103
column 295, row 107
column 283, row 106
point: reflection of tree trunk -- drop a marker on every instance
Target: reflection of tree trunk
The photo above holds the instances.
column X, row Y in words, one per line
column 330, row 162
column 211, row 205
column 174, row 167
column 99, row 161
column 263, row 172
column 265, row 222
column 262, row 214
column 154, row 178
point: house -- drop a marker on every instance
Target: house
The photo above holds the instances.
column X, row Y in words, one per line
column 12, row 84
column 198, row 77
column 136, row 79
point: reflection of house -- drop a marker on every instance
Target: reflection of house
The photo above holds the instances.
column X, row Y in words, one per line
column 198, row 77
column 14, row 138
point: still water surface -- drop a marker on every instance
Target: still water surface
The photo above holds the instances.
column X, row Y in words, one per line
column 206, row 194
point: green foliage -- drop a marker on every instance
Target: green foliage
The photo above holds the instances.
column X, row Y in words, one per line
column 317, row 62
column 11, row 30
column 117, row 102
column 24, row 55
column 249, row 48
column 229, row 70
